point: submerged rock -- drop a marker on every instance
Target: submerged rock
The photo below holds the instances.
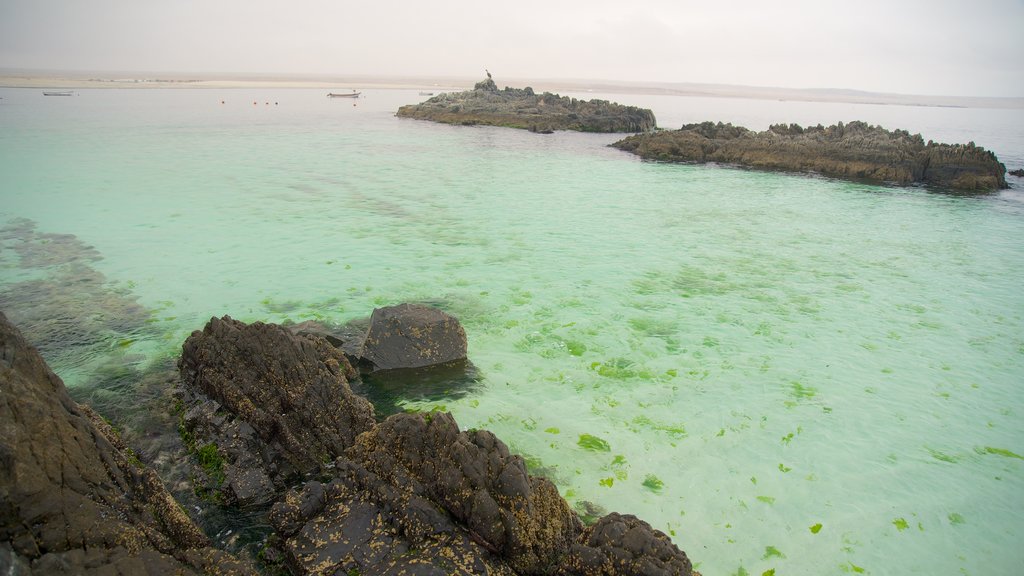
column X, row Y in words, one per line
column 73, row 498
column 854, row 151
column 522, row 108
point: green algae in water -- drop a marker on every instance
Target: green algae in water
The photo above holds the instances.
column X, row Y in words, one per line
column 900, row 524
column 589, row 442
column 998, row 452
column 816, row 528
column 942, row 456
column 653, row 483
column 748, row 259
column 772, row 552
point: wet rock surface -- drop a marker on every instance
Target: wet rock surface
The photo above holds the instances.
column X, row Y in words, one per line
column 413, row 494
column 854, row 151
column 412, row 336
column 522, row 108
column 274, row 412
column 73, row 498
column 273, row 406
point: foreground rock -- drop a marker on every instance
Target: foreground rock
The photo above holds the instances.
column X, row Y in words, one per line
column 522, row 108
column 73, row 499
column 410, row 495
column 269, row 407
column 854, row 151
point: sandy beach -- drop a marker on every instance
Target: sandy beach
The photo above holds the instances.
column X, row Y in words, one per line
column 125, row 80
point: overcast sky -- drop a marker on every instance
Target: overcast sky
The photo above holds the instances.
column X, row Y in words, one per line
column 947, row 47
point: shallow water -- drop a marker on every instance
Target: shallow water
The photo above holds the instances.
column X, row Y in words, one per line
column 736, row 357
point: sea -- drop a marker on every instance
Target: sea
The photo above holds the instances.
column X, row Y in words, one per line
column 786, row 374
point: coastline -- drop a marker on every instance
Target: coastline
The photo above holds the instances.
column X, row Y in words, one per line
column 36, row 79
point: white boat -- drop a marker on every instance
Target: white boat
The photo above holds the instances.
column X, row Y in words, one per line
column 354, row 94
column 58, row 93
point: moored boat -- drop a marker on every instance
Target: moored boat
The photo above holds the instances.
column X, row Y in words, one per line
column 58, row 93
column 354, row 94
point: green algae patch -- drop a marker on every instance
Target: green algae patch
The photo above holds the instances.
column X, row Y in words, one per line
column 575, row 348
column 653, row 483
column 211, row 461
column 593, row 443
column 816, row 528
column 900, row 524
column 998, row 452
column 772, row 552
column 955, row 518
column 767, row 499
column 942, row 456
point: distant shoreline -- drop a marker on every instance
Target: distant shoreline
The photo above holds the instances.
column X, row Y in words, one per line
column 107, row 80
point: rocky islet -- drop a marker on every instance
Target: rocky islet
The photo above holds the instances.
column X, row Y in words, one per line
column 523, row 108
column 854, row 151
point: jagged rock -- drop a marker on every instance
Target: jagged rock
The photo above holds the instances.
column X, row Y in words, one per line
column 412, row 336
column 473, row 476
column 358, row 523
column 522, row 108
column 410, row 495
column 854, row 151
column 281, row 404
column 73, row 499
column 1018, row 172
column 624, row 545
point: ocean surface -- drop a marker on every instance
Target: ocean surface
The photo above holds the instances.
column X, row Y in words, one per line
column 782, row 372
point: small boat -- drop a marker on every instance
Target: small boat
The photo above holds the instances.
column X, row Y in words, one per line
column 59, row 93
column 354, row 94
column 426, row 93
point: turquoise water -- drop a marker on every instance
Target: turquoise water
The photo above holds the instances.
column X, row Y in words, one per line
column 736, row 357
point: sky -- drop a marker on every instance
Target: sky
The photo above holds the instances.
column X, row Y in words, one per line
column 933, row 47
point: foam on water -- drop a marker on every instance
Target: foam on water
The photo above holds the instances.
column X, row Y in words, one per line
column 781, row 372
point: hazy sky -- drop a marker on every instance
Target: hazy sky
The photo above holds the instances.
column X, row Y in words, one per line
column 948, row 47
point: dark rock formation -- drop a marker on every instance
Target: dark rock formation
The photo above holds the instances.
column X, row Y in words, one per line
column 275, row 407
column 854, row 151
column 522, row 108
column 359, row 523
column 410, row 495
column 473, row 476
column 618, row 545
column 412, row 336
column 73, row 499
column 1018, row 172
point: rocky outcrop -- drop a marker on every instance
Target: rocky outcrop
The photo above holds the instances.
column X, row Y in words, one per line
column 522, row 108
column 411, row 494
column 73, row 499
column 623, row 544
column 273, row 407
column 854, row 151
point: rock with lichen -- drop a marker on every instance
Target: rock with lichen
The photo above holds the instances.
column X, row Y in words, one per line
column 523, row 108
column 854, row 151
